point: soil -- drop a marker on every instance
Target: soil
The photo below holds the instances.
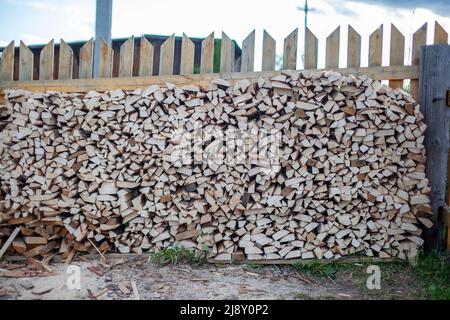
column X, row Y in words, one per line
column 206, row 282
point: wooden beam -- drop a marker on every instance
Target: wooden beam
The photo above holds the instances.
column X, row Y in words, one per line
column 397, row 54
column 46, row 62
column 187, row 56
column 65, row 67
column 332, row 49
column 145, row 57
column 311, row 49
column 226, row 54
column 419, row 40
column 126, row 58
column 86, row 60
column 207, row 57
column 434, row 83
column 166, row 57
column 84, row 85
column 353, row 48
column 376, row 47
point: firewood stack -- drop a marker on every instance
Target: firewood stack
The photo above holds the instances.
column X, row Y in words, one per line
column 88, row 172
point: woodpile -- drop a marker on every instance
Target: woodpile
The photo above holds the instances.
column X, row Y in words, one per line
column 93, row 172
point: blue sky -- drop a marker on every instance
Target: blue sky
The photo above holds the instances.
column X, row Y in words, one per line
column 38, row 21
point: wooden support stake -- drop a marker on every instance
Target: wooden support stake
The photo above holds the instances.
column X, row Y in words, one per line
column 8, row 242
column 434, row 82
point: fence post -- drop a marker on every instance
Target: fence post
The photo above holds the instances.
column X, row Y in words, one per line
column 434, row 78
column 103, row 21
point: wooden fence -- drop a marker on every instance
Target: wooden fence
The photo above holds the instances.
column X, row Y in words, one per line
column 63, row 64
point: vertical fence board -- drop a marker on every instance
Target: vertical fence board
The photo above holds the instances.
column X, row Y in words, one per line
column 145, row 57
column 269, row 51
column 332, row 49
column 397, row 54
column 353, row 48
column 226, row 54
column 207, row 57
column 311, row 49
column 167, row 56
column 376, row 47
column 419, row 39
column 25, row 62
column 290, row 50
column 7, row 65
column 440, row 35
column 187, row 55
column 248, row 53
column 46, row 62
column 434, row 81
column 105, row 63
column 126, row 58
column 65, row 61
column 86, row 60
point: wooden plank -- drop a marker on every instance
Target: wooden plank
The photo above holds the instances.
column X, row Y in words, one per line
column 86, row 60
column 397, row 54
column 290, row 51
column 105, row 60
column 65, row 61
column 332, row 49
column 434, row 82
column 419, row 39
column 167, row 56
column 145, row 57
column 7, row 65
column 440, row 35
column 25, row 62
column 84, row 85
column 226, row 54
column 46, row 62
column 248, row 53
column 207, row 57
column 269, row 52
column 376, row 47
column 353, row 48
column 126, row 58
column 187, row 55
column 8, row 242
column 311, row 49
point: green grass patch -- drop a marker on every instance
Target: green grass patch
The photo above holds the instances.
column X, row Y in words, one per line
column 433, row 273
column 175, row 255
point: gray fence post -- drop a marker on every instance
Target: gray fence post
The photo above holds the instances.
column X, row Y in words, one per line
column 103, row 21
column 434, row 80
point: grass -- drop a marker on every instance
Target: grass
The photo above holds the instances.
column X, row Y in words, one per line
column 430, row 277
column 433, row 272
column 175, row 255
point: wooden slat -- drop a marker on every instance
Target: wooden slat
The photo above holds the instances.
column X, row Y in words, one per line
column 419, row 39
column 290, row 51
column 226, row 54
column 353, row 48
column 25, row 62
column 376, row 47
column 145, row 57
column 332, row 49
column 397, row 53
column 187, row 55
column 86, row 60
column 83, row 85
column 106, row 60
column 167, row 56
column 65, row 67
column 207, row 57
column 248, row 53
column 269, row 51
column 311, row 49
column 7, row 65
column 440, row 35
column 126, row 58
column 46, row 62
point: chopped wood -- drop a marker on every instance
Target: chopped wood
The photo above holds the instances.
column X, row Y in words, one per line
column 100, row 171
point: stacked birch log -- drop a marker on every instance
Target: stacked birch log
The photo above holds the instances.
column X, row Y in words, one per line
column 87, row 172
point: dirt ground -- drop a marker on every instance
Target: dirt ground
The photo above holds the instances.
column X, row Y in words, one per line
column 206, row 281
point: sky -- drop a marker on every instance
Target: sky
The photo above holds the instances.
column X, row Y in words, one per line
column 38, row 21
